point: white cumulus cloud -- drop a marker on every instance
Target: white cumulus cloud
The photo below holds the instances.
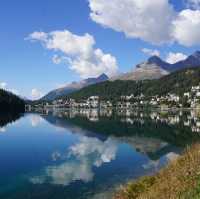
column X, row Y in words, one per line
column 78, row 51
column 151, row 52
column 154, row 21
column 187, row 27
column 36, row 94
column 172, row 58
column 136, row 18
column 56, row 59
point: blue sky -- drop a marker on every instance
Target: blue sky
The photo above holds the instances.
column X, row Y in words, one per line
column 26, row 60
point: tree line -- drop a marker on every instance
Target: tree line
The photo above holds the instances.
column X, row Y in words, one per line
column 177, row 83
column 10, row 103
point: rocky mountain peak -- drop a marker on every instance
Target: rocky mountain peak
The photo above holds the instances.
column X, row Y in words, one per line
column 103, row 76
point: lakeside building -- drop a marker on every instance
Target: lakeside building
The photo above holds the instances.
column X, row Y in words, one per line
column 189, row 99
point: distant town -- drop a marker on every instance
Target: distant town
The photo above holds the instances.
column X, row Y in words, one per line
column 190, row 99
column 188, row 119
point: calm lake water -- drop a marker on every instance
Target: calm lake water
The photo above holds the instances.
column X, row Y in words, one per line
column 87, row 154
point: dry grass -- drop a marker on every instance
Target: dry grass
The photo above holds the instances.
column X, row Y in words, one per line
column 179, row 180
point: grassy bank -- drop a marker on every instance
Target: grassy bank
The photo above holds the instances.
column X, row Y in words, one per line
column 179, row 180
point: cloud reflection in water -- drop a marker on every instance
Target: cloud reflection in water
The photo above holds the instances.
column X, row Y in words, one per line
column 35, row 120
column 82, row 157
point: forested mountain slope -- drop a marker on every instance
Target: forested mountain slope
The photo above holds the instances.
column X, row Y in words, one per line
column 10, row 102
column 177, row 82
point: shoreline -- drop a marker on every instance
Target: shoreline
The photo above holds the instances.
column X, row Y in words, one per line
column 180, row 179
column 122, row 109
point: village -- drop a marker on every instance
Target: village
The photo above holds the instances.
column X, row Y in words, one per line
column 127, row 107
column 190, row 99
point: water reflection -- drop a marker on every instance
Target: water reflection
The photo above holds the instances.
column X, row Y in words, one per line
column 147, row 133
column 65, row 173
column 139, row 137
column 96, row 151
column 35, row 120
column 2, row 129
column 102, row 151
column 174, row 128
column 79, row 160
column 6, row 118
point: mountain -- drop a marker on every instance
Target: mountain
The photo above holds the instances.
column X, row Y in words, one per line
column 10, row 103
column 191, row 61
column 178, row 82
column 143, row 73
column 155, row 60
column 74, row 86
column 155, row 68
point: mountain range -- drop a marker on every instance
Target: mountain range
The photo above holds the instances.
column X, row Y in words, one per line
column 153, row 68
column 178, row 82
column 74, row 86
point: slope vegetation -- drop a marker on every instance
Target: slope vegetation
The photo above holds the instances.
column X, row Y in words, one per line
column 10, row 102
column 180, row 180
column 177, row 82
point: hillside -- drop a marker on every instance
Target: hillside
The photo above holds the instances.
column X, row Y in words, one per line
column 142, row 72
column 74, row 86
column 177, row 82
column 179, row 180
column 10, row 102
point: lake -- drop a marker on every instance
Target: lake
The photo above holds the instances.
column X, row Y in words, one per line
column 87, row 154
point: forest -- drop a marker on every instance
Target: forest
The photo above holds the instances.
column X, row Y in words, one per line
column 177, row 83
column 10, row 103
